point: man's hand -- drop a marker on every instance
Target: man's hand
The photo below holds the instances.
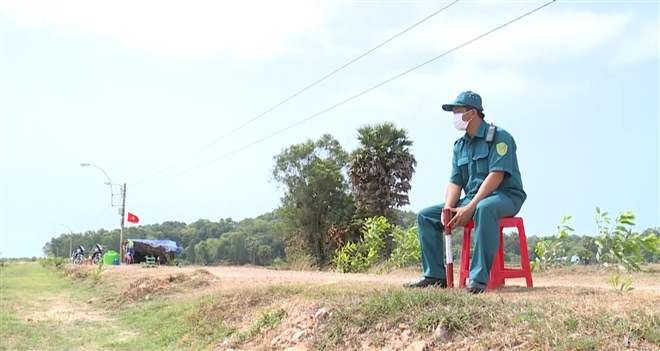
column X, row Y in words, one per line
column 442, row 216
column 463, row 216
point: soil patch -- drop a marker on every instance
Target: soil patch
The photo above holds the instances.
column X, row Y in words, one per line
column 145, row 288
column 309, row 323
column 77, row 271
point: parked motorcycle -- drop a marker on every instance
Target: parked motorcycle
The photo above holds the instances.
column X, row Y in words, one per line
column 78, row 256
column 97, row 254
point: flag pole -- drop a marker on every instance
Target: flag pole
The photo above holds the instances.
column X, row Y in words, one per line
column 121, row 232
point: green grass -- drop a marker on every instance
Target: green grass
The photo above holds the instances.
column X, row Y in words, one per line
column 30, row 291
column 28, row 295
column 539, row 319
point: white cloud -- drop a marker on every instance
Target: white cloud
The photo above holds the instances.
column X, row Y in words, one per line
column 641, row 45
column 493, row 66
column 187, row 29
column 555, row 34
column 516, row 60
column 549, row 35
column 431, row 86
column 464, row 76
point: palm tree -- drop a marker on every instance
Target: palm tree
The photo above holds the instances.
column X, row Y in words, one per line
column 380, row 171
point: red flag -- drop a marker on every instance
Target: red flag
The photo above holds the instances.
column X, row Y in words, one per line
column 132, row 218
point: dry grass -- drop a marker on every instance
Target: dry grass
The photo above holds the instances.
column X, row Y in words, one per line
column 249, row 308
column 568, row 309
column 146, row 287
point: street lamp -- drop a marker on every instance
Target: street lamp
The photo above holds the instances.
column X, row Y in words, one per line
column 70, row 239
column 123, row 206
column 112, row 195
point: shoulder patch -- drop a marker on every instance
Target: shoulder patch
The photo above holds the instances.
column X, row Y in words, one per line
column 502, row 148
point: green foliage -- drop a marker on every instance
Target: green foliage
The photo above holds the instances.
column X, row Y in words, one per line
column 279, row 264
column 298, row 259
column 266, row 320
column 551, row 251
column 381, row 169
column 53, row 262
column 623, row 287
column 4, row 262
column 618, row 245
column 315, row 192
column 264, row 255
column 315, row 223
column 380, row 172
column 223, row 241
column 407, row 250
column 360, row 256
column 406, row 219
column 96, row 274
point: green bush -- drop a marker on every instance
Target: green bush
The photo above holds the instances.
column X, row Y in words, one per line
column 55, row 262
column 279, row 264
column 360, row 256
column 547, row 250
column 618, row 245
column 407, row 250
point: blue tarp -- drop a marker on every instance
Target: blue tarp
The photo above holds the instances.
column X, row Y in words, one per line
column 168, row 245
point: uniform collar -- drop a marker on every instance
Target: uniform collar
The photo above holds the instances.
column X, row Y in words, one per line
column 481, row 132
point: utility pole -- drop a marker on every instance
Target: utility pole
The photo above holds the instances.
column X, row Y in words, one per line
column 121, row 232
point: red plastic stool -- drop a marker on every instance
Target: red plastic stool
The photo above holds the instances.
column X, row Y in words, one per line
column 498, row 273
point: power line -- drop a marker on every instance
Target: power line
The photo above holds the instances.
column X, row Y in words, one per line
column 360, row 94
column 97, row 218
column 296, row 94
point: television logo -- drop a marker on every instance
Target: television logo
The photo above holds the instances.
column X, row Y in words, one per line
column 46, row 19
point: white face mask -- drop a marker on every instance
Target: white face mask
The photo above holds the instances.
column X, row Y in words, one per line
column 459, row 123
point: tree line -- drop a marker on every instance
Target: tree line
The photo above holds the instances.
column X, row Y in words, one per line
column 328, row 195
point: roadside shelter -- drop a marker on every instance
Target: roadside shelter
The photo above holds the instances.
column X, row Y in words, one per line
column 166, row 250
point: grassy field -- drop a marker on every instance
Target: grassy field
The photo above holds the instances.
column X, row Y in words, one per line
column 221, row 308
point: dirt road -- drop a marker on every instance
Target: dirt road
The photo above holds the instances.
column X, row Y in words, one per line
column 249, row 277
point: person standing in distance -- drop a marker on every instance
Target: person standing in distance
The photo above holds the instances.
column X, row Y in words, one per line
column 485, row 167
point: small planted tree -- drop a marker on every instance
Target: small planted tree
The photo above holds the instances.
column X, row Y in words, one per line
column 618, row 245
column 547, row 250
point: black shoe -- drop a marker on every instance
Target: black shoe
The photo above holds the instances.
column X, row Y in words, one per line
column 426, row 281
column 475, row 287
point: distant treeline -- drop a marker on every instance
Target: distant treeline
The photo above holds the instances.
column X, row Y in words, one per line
column 251, row 241
column 327, row 193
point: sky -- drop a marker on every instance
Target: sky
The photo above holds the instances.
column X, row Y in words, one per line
column 134, row 87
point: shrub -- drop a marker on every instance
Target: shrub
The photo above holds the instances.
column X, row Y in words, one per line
column 547, row 250
column 618, row 245
column 360, row 256
column 407, row 250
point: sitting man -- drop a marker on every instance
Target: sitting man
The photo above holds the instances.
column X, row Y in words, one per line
column 485, row 166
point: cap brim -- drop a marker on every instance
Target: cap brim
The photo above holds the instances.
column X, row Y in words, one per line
column 450, row 107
